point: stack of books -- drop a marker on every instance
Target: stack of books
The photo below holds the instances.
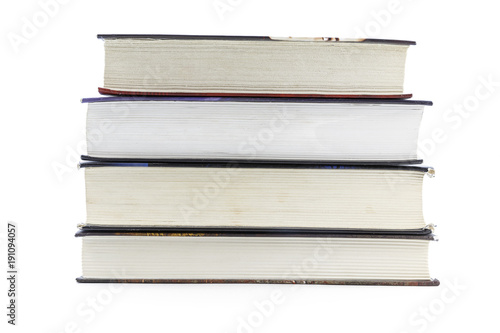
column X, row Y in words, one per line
column 254, row 159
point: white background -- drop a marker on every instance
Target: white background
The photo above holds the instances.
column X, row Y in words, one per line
column 45, row 74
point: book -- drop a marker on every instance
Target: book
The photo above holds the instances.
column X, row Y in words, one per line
column 256, row 129
column 185, row 65
column 255, row 195
column 258, row 257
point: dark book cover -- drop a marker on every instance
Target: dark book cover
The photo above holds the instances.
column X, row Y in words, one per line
column 246, row 99
column 408, row 283
column 191, row 161
column 106, row 91
column 89, row 162
column 425, row 233
column 257, row 38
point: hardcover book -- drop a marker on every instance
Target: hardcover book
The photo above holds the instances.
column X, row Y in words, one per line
column 184, row 65
column 250, row 195
column 258, row 257
column 253, row 129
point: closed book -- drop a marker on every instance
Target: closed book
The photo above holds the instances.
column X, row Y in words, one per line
column 255, row 195
column 284, row 130
column 162, row 256
column 187, row 65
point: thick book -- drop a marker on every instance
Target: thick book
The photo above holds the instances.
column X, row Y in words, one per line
column 253, row 129
column 186, row 65
column 255, row 195
column 259, row 257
